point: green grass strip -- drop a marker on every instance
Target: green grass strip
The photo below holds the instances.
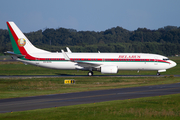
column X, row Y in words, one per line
column 150, row 108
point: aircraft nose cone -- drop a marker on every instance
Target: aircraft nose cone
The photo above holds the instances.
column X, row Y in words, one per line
column 173, row 64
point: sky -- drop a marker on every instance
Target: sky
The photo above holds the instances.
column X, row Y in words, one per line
column 89, row 15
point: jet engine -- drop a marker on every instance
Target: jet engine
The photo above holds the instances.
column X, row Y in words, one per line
column 109, row 69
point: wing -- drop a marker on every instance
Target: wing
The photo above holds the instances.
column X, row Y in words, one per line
column 87, row 64
column 80, row 63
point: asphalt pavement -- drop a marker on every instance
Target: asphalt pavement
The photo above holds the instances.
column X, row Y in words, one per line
column 57, row 100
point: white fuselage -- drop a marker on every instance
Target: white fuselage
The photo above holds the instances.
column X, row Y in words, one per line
column 124, row 61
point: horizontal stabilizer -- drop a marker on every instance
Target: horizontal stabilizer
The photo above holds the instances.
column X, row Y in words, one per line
column 12, row 53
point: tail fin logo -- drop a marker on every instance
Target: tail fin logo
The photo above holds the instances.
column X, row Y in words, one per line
column 21, row 42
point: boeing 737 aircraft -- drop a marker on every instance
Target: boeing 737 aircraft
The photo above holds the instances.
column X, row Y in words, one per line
column 27, row 53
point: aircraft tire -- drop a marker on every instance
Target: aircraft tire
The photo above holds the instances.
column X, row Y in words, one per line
column 90, row 73
column 158, row 74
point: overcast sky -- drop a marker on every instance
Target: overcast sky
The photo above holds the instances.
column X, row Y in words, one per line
column 89, row 15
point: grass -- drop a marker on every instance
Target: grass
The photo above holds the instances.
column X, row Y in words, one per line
column 149, row 108
column 21, row 87
column 160, row 107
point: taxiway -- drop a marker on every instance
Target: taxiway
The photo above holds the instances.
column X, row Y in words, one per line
column 57, row 100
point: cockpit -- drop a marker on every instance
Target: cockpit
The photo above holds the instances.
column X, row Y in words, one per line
column 165, row 59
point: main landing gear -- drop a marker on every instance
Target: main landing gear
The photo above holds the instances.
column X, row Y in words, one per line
column 158, row 74
column 90, row 73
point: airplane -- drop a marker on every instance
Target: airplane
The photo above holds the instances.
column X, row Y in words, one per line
column 106, row 63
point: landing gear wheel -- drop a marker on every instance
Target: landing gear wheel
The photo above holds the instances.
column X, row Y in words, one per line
column 90, row 73
column 158, row 74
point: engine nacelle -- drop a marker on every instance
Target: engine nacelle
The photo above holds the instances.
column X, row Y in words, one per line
column 109, row 69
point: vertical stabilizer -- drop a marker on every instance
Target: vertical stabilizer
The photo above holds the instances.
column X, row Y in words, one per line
column 20, row 43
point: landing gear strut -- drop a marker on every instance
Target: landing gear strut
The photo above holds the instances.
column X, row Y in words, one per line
column 158, row 74
column 90, row 73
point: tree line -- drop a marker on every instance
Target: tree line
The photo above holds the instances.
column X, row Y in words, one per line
column 165, row 41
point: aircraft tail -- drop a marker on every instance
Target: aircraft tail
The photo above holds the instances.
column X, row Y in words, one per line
column 21, row 45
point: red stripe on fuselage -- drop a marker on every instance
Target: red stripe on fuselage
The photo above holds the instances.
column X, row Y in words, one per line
column 100, row 59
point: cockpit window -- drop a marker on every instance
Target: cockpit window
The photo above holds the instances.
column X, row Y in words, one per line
column 165, row 59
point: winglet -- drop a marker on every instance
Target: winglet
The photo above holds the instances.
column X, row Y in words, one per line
column 65, row 55
column 68, row 50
